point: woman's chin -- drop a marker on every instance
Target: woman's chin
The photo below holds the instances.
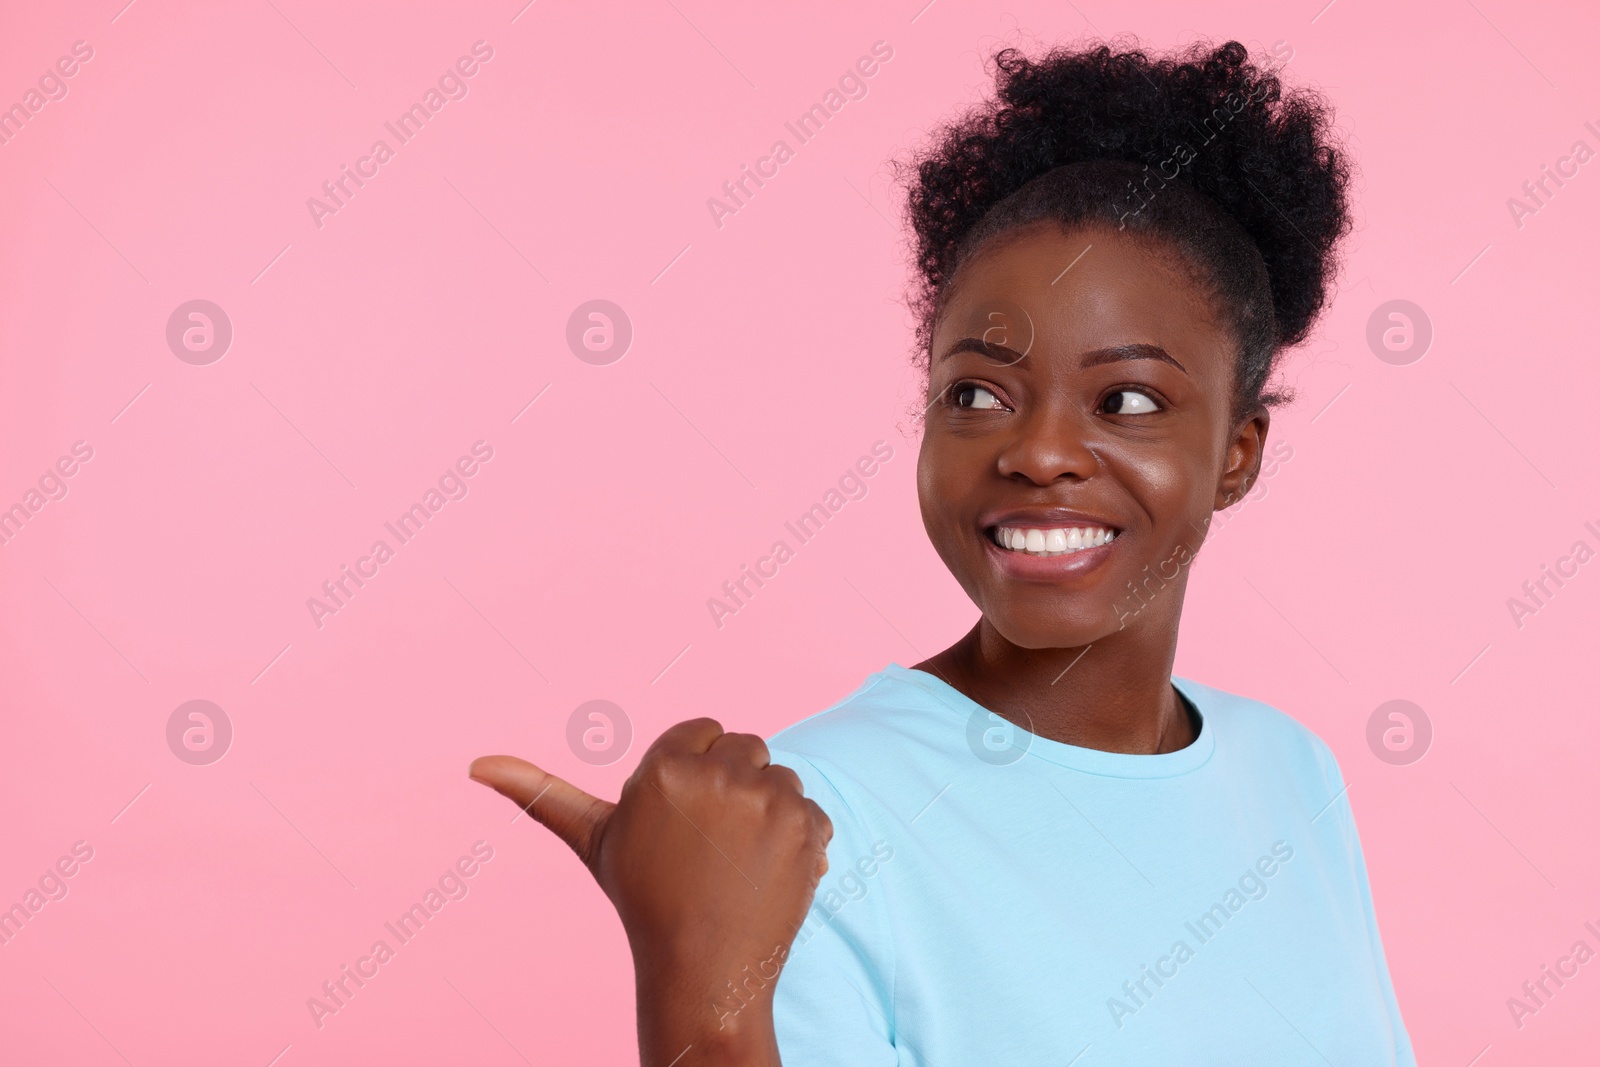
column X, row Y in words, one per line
column 1040, row 634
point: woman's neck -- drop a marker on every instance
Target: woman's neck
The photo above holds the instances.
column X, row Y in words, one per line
column 1115, row 694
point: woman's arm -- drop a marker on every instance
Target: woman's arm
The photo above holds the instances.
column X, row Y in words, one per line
column 711, row 857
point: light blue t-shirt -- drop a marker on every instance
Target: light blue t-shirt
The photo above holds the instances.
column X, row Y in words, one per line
column 995, row 897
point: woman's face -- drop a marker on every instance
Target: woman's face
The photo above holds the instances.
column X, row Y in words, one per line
column 1078, row 382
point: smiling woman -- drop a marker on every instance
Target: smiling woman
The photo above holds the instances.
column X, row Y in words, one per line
column 1061, row 809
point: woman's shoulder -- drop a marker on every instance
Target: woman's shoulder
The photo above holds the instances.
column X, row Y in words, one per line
column 887, row 737
column 887, row 708
column 1251, row 727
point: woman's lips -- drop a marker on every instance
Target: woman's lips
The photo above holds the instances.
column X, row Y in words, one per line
column 1025, row 566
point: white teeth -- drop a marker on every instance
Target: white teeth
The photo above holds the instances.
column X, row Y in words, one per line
column 1052, row 542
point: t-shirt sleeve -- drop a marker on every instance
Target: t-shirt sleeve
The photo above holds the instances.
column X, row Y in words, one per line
column 1405, row 1056
column 834, row 1000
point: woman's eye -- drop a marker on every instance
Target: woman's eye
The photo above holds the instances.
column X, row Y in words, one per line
column 1128, row 402
column 976, row 397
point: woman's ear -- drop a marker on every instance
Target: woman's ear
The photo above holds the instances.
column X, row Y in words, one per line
column 1242, row 462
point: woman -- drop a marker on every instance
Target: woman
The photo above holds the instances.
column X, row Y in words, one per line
column 1038, row 846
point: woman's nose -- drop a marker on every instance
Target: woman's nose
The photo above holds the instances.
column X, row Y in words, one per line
column 1049, row 443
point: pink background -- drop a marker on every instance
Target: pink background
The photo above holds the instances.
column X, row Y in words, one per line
column 768, row 354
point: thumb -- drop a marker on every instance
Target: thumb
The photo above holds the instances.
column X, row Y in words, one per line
column 569, row 813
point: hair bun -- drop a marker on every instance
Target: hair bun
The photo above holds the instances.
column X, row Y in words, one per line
column 1266, row 156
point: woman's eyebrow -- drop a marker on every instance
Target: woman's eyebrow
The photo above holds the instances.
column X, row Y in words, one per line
column 1122, row 352
column 999, row 353
column 1008, row 356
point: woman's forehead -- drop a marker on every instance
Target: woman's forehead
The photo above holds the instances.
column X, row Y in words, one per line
column 1074, row 290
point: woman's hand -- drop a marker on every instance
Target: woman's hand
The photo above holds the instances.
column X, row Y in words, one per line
column 711, row 857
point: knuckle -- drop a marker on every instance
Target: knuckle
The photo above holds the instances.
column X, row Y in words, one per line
column 714, row 774
column 788, row 812
column 743, row 747
column 822, row 826
column 649, row 772
column 786, row 778
column 683, row 735
column 669, row 772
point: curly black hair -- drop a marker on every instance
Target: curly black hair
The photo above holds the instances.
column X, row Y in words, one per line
column 1203, row 150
